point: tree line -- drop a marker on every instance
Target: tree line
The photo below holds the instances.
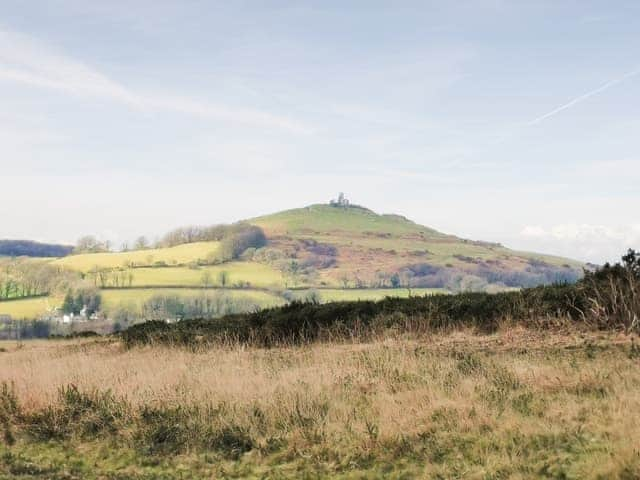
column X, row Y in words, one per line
column 235, row 239
column 23, row 278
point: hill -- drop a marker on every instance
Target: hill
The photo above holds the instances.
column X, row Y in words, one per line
column 351, row 246
column 29, row 248
column 325, row 252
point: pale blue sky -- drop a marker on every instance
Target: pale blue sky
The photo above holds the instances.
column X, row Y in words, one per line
column 510, row 121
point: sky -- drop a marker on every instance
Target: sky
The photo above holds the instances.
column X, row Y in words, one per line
column 508, row 121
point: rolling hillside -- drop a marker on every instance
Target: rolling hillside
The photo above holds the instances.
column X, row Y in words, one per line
column 325, row 252
column 368, row 249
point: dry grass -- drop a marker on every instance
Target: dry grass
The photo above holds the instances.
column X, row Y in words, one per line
column 513, row 404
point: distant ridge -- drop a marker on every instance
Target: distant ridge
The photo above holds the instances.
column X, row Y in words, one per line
column 29, row 248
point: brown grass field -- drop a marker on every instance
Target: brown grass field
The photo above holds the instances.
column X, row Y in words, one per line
column 515, row 404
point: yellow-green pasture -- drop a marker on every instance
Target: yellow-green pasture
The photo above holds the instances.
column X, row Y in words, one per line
column 29, row 308
column 134, row 298
column 256, row 274
column 180, row 254
column 340, row 295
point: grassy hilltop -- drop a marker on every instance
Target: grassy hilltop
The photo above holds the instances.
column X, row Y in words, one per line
column 370, row 248
column 327, row 252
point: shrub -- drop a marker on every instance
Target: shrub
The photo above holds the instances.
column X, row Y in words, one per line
column 609, row 298
column 84, row 413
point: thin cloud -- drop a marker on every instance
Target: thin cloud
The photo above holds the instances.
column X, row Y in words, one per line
column 28, row 62
column 587, row 241
column 583, row 97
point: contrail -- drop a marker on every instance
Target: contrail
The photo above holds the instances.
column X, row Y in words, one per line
column 579, row 99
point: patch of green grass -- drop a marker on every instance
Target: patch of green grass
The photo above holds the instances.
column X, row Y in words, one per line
column 324, row 218
column 340, row 295
column 180, row 254
column 368, row 243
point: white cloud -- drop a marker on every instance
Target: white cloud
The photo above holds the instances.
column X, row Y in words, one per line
column 26, row 61
column 597, row 243
column 533, row 231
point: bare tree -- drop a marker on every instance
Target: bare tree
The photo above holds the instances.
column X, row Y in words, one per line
column 223, row 278
column 89, row 244
column 141, row 243
column 206, row 279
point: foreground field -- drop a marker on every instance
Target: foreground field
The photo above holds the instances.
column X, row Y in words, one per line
column 515, row 404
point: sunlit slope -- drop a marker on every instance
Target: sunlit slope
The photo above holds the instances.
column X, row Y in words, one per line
column 363, row 235
column 180, row 254
column 325, row 219
column 370, row 248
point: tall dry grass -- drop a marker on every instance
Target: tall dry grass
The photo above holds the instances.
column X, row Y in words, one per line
column 517, row 402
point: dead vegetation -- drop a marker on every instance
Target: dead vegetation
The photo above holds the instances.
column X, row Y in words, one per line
column 516, row 403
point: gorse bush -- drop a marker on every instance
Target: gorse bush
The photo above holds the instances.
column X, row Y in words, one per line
column 607, row 298
column 8, row 412
column 613, row 293
column 301, row 322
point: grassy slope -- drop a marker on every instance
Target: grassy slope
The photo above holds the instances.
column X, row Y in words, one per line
column 368, row 243
column 174, row 255
column 361, row 227
column 29, row 308
column 327, row 219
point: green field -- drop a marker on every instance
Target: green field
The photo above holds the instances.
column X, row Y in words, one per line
column 135, row 298
column 324, row 218
column 178, row 255
column 340, row 295
column 29, row 308
column 368, row 243
column 256, row 274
